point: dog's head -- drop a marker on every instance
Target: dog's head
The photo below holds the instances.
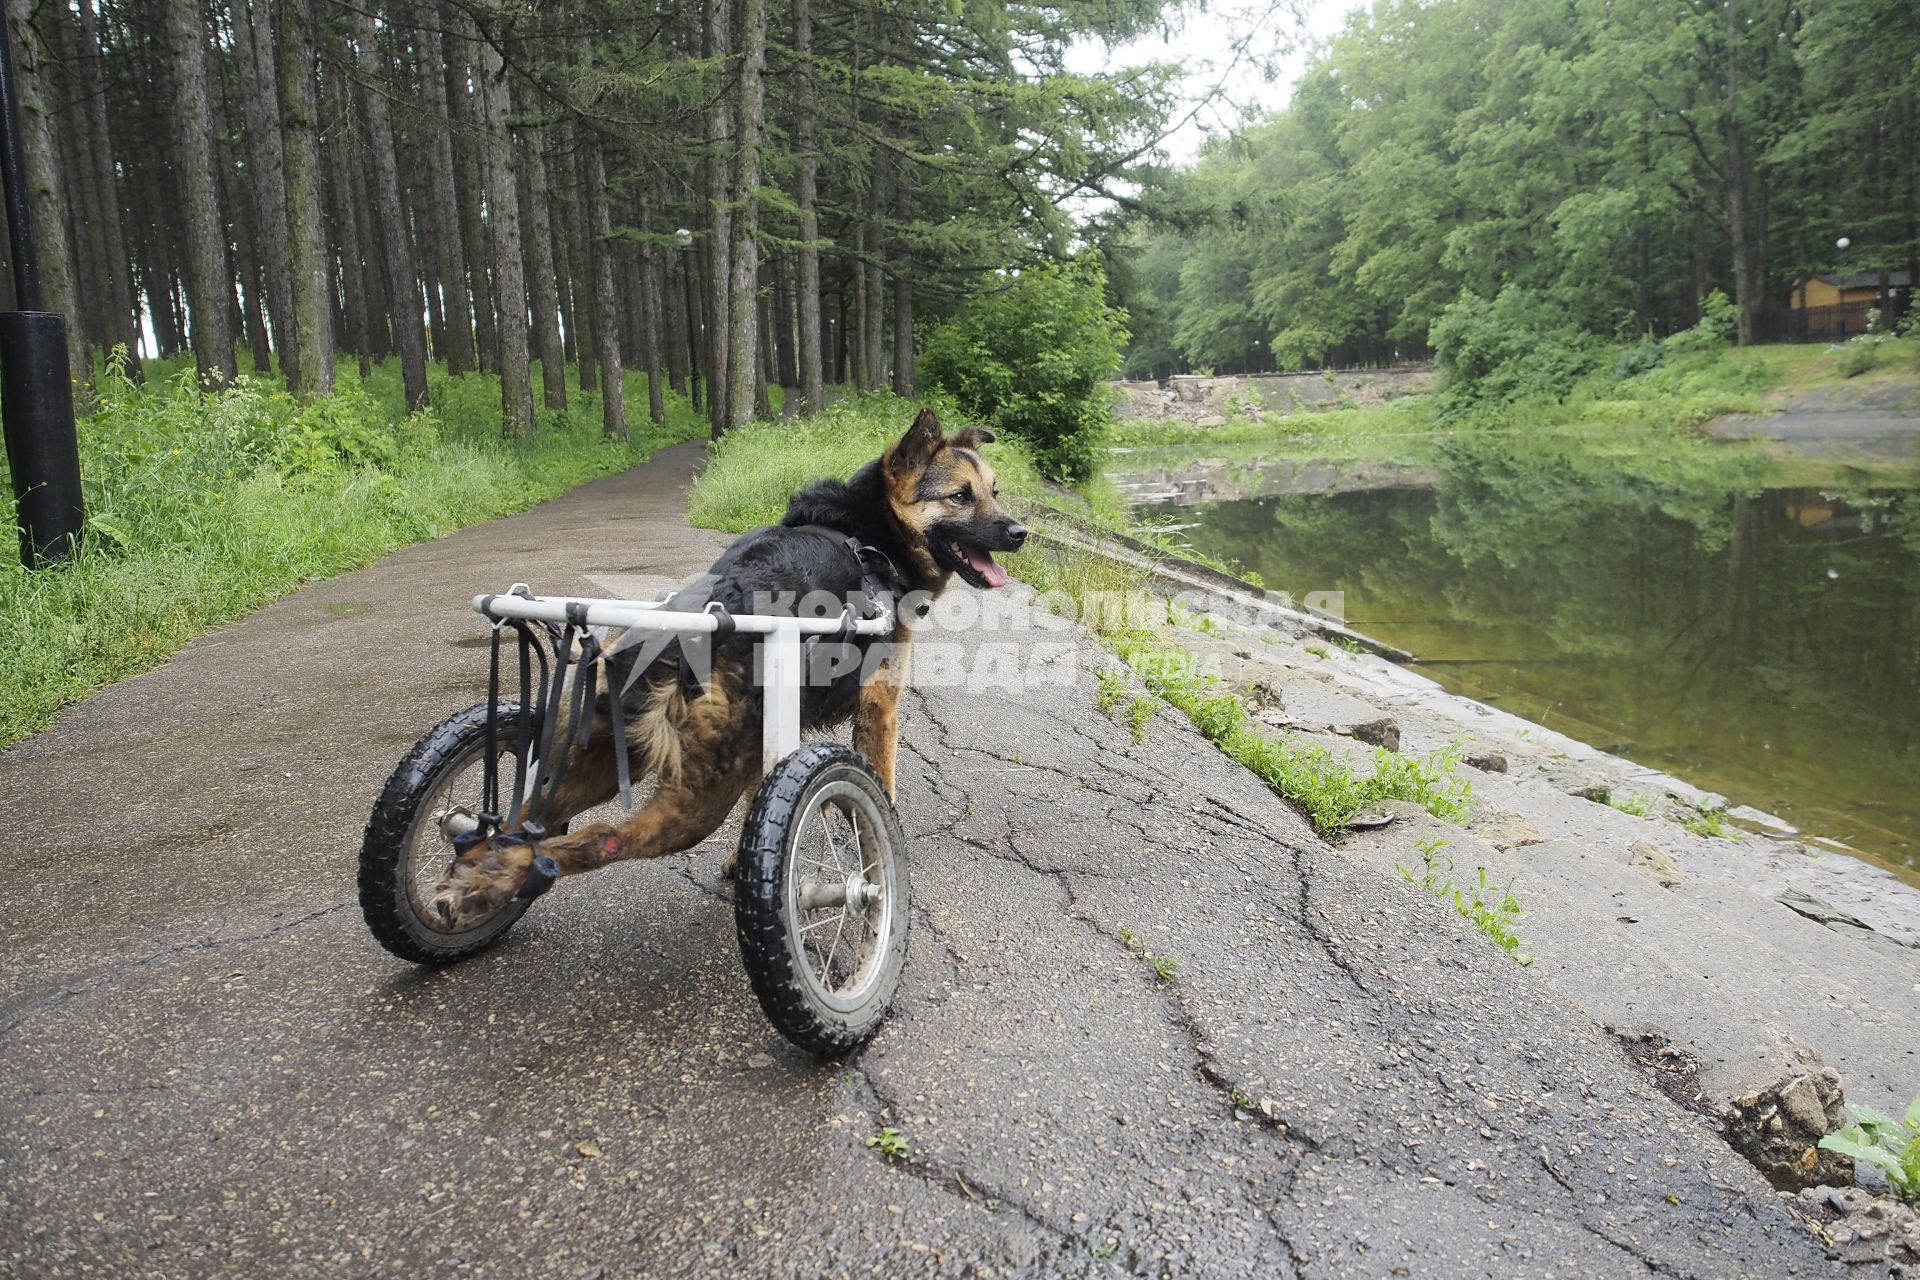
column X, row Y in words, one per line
column 943, row 496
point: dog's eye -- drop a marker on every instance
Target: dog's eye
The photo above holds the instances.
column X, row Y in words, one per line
column 961, row 495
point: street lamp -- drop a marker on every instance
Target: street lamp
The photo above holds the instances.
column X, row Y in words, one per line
column 36, row 386
column 684, row 238
column 1840, row 282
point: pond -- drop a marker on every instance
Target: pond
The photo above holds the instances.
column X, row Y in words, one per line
column 1713, row 616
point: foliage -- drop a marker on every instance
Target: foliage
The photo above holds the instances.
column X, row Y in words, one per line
column 1889, row 1145
column 1619, row 160
column 1520, row 346
column 753, row 472
column 202, row 507
column 1029, row 359
column 889, row 1142
column 1492, row 908
column 1637, row 806
column 1717, row 326
column 1164, row 967
column 1711, row 823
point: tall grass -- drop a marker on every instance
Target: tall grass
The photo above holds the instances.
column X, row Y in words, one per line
column 202, row 507
column 752, row 472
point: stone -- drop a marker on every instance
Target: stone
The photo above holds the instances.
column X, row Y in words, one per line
column 1381, row 733
column 1656, row 862
column 1817, row 910
column 1779, row 1128
column 1507, row 830
column 1488, row 763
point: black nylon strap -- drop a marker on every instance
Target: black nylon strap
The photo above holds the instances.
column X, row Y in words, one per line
column 616, row 724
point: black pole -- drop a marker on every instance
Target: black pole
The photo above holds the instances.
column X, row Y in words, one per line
column 36, row 388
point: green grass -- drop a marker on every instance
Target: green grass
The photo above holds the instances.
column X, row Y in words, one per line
column 1492, row 908
column 751, row 473
column 1712, row 823
column 1638, row 806
column 201, row 508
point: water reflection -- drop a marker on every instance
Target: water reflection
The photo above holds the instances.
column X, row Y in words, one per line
column 1759, row 641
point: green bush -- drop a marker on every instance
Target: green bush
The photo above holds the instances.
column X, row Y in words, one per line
column 1518, row 346
column 1719, row 319
column 1632, row 362
column 1029, row 359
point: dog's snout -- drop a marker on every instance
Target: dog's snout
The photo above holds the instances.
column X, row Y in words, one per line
column 1017, row 535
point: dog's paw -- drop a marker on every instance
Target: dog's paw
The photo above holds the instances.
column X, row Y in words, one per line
column 472, row 891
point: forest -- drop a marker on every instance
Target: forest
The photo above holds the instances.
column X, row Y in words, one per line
column 730, row 196
column 1608, row 164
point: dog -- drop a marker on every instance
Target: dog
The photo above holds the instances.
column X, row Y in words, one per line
column 924, row 512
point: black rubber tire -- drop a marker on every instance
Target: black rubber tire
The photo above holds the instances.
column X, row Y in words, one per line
column 451, row 745
column 769, row 947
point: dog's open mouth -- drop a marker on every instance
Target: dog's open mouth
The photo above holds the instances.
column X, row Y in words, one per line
column 976, row 564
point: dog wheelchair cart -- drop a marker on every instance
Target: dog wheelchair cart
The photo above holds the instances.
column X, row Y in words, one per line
column 820, row 883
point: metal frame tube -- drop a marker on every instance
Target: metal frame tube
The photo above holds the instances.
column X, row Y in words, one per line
column 783, row 669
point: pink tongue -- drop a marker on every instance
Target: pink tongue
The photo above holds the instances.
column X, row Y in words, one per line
column 983, row 564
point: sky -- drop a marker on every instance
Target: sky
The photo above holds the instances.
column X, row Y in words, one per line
column 1202, row 41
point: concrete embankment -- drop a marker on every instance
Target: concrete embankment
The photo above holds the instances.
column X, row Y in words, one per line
column 1760, row 972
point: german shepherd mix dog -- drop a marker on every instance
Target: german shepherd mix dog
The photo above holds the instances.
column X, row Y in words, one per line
column 922, row 512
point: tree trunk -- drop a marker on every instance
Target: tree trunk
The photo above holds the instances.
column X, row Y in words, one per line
column 743, row 308
column 650, row 310
column 116, row 268
column 312, row 296
column 349, row 241
column 807, row 303
column 46, row 184
column 246, row 263
column 599, row 256
column 402, row 284
column 719, row 244
column 562, row 255
column 580, row 259
column 469, row 187
column 449, row 241
column 544, row 288
column 266, row 171
column 503, row 226
column 902, row 291
column 874, row 278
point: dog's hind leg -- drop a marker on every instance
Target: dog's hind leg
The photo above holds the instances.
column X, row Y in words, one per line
column 719, row 757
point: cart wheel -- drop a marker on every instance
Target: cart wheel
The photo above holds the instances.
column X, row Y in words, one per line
column 820, row 898
column 433, row 796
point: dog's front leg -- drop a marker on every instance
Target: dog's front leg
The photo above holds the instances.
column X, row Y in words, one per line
column 876, row 718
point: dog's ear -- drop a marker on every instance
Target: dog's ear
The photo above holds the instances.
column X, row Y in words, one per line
column 922, row 441
column 972, row 438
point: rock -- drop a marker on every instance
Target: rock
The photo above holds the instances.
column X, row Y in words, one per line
column 1488, row 763
column 1656, row 862
column 1817, row 910
column 1597, row 792
column 1778, row 1129
column 1211, row 420
column 1381, row 733
column 1871, row 1235
column 1507, row 830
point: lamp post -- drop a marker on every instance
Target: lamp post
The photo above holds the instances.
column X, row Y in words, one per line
column 36, row 387
column 1840, row 248
column 684, row 239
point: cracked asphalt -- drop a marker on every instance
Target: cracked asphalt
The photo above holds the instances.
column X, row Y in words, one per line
column 213, row 1069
